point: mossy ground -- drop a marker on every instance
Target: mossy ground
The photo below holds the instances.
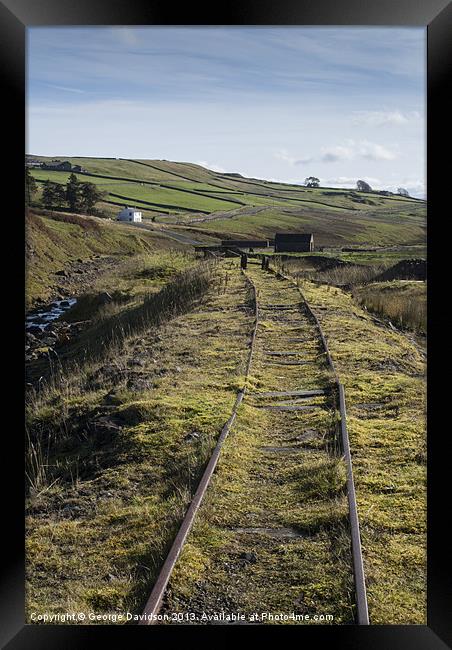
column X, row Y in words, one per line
column 384, row 377
column 278, row 494
column 128, row 437
column 127, row 440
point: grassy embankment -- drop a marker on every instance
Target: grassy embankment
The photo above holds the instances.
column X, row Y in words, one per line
column 383, row 374
column 123, row 440
column 54, row 242
column 403, row 302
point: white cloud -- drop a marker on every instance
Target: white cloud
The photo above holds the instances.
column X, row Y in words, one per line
column 212, row 166
column 415, row 187
column 361, row 149
column 349, row 181
column 284, row 155
column 333, row 154
column 383, row 118
column 351, row 150
column 373, row 151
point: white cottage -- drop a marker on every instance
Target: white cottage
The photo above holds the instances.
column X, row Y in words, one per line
column 129, row 214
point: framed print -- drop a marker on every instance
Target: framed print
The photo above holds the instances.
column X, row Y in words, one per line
column 226, row 377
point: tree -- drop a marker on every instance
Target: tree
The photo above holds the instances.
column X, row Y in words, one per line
column 312, row 181
column 362, row 186
column 53, row 195
column 402, row 191
column 47, row 194
column 73, row 194
column 30, row 186
column 89, row 196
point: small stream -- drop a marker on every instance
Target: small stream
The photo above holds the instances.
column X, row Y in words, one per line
column 42, row 318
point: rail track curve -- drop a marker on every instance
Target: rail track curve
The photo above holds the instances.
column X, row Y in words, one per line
column 154, row 603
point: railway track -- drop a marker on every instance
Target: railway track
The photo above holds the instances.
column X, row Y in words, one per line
column 303, row 539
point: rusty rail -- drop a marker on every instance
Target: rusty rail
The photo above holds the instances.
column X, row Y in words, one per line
column 153, row 605
column 357, row 556
column 154, row 602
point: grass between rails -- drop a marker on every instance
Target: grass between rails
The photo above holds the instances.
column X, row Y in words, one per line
column 237, row 557
column 383, row 374
column 127, row 439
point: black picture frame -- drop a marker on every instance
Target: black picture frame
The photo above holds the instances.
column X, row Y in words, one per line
column 436, row 15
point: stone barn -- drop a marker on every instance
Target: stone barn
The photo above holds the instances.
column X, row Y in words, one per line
column 129, row 214
column 294, row 242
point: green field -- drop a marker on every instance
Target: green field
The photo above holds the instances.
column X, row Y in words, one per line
column 223, row 205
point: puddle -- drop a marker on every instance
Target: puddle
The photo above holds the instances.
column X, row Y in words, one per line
column 42, row 318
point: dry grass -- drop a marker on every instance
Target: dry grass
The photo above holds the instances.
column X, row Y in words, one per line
column 84, row 222
column 404, row 303
column 123, row 442
column 68, row 374
column 340, row 274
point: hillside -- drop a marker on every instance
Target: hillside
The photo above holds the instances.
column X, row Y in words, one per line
column 56, row 242
column 218, row 204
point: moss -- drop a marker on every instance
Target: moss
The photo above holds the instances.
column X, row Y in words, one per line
column 112, row 508
column 254, row 489
column 383, row 372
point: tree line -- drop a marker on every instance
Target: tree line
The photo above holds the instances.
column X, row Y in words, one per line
column 361, row 186
column 77, row 196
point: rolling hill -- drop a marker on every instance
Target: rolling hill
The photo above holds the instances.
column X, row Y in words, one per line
column 222, row 205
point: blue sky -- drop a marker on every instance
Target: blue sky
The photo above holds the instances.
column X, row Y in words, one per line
column 279, row 103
